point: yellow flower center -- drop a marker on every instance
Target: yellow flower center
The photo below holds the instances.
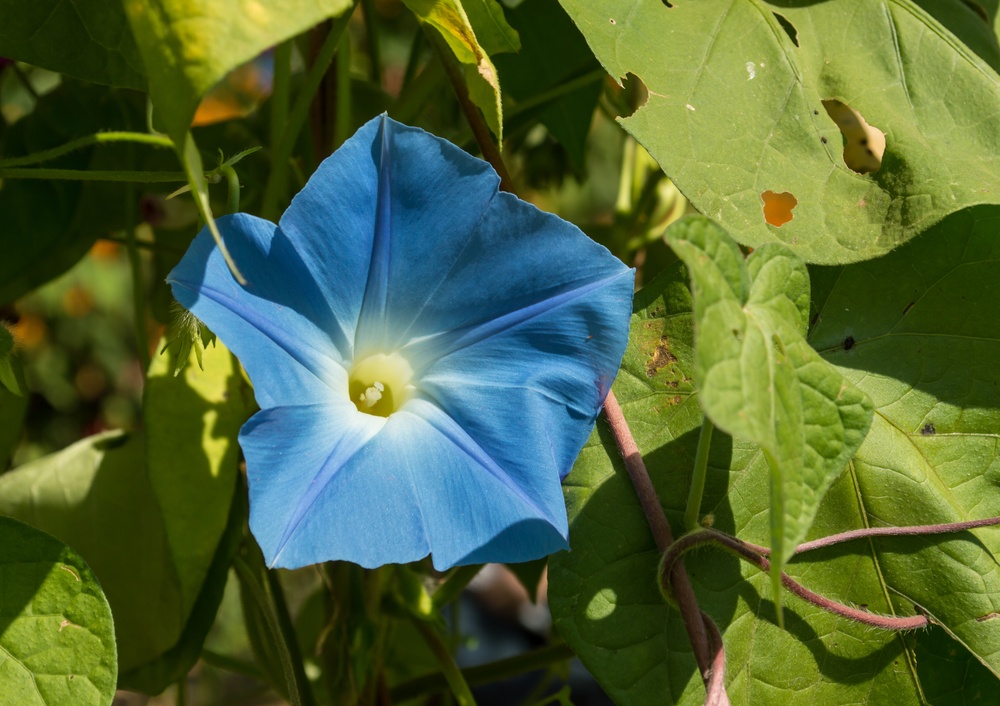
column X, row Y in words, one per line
column 380, row 384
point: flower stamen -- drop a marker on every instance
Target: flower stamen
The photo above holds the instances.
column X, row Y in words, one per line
column 380, row 384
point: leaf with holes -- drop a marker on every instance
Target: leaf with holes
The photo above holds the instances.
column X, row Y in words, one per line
column 759, row 380
column 56, row 631
column 736, row 110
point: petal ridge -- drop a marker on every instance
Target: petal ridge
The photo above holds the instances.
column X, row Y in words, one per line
column 449, row 342
column 443, row 423
column 311, row 363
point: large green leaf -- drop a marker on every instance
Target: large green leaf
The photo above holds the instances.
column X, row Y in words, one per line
column 187, row 46
column 603, row 593
column 192, row 421
column 97, row 495
column 917, row 332
column 758, row 379
column 57, row 643
column 149, row 526
column 736, row 109
column 86, row 39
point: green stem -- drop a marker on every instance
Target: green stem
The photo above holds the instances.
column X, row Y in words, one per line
column 342, row 115
column 413, row 61
column 693, row 509
column 264, row 597
column 138, row 288
column 231, row 664
column 101, row 138
column 452, row 674
column 454, row 585
column 371, row 35
column 194, row 170
column 278, row 179
column 417, row 92
column 92, row 175
column 181, row 699
column 25, row 81
column 544, row 99
column 152, row 247
column 281, row 90
column 233, row 182
column 485, row 673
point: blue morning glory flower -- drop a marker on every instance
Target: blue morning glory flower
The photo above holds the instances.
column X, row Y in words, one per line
column 429, row 355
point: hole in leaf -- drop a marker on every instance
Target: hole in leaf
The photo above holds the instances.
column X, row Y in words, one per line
column 634, row 94
column 864, row 144
column 778, row 207
column 789, row 28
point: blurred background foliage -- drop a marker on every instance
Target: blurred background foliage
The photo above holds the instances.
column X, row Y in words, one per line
column 68, row 295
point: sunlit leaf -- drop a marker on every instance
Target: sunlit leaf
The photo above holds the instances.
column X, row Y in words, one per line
column 735, row 110
column 189, row 45
column 916, row 331
column 56, row 633
column 450, row 19
column 759, row 380
column 148, row 512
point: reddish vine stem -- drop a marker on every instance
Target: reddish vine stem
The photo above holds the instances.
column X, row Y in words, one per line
column 709, row 656
column 744, row 551
column 895, row 532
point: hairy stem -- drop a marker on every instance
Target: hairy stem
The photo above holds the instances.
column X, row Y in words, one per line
column 895, row 532
column 737, row 547
column 650, row 502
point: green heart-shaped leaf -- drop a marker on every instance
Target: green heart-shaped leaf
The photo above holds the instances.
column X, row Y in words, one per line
column 759, row 380
column 56, row 632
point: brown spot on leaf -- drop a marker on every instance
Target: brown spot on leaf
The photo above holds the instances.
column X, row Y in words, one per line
column 928, row 430
column 778, row 207
column 989, row 616
column 661, row 358
column 849, row 343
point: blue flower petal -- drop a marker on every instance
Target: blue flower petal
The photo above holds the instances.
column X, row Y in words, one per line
column 538, row 383
column 327, row 484
column 266, row 320
column 513, row 321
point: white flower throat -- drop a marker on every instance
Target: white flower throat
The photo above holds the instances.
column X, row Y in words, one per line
column 380, row 384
